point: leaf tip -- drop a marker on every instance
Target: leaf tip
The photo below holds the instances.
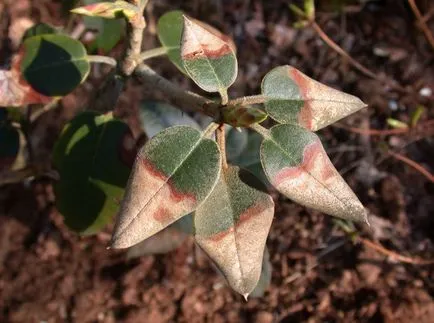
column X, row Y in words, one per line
column 246, row 296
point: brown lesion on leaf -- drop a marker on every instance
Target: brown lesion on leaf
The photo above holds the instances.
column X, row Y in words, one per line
column 198, row 42
column 250, row 213
column 305, row 116
column 314, row 162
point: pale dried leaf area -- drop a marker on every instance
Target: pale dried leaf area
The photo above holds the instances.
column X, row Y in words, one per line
column 317, row 184
column 150, row 204
column 197, row 42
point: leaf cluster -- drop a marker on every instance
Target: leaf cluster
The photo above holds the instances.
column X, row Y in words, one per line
column 212, row 181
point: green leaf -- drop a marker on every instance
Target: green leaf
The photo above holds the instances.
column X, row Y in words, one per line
column 232, row 225
column 296, row 164
column 39, row 29
column 394, row 123
column 108, row 10
column 173, row 173
column 236, row 142
column 156, row 116
column 169, row 31
column 208, row 58
column 54, row 65
column 250, row 158
column 265, row 279
column 93, row 157
column 294, row 98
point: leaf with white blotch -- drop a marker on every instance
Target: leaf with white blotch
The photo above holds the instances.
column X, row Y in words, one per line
column 209, row 60
column 265, row 279
column 54, row 64
column 297, row 165
column 108, row 10
column 173, row 173
column 14, row 89
column 294, row 98
column 232, row 225
column 156, row 116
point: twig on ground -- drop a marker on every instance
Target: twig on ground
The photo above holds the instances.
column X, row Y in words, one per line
column 422, row 23
column 413, row 164
column 353, row 62
column 392, row 254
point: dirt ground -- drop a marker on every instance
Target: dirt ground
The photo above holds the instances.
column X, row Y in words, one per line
column 50, row 274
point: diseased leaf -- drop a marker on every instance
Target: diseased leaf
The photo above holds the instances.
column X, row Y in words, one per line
column 294, row 98
column 156, row 116
column 208, row 58
column 265, row 279
column 93, row 156
column 54, row 65
column 173, row 173
column 108, row 10
column 242, row 116
column 39, row 29
column 232, row 225
column 109, row 31
column 162, row 242
column 14, row 89
column 297, row 165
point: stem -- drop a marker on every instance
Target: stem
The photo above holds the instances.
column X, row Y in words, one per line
column 246, row 100
column 154, row 52
column 135, row 38
column 221, row 141
column 210, row 129
column 102, row 59
column 422, row 22
column 49, row 106
column 352, row 61
column 185, row 100
column 224, row 95
column 264, row 132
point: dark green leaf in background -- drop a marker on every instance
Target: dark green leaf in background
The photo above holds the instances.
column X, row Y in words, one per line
column 54, row 65
column 91, row 157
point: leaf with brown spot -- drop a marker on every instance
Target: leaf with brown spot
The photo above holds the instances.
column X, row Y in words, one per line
column 297, row 165
column 173, row 173
column 108, row 10
column 208, row 58
column 232, row 225
column 294, row 98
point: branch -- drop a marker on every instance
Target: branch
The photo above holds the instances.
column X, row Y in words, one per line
column 185, row 100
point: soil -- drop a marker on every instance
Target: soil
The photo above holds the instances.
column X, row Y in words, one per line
column 50, row 274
